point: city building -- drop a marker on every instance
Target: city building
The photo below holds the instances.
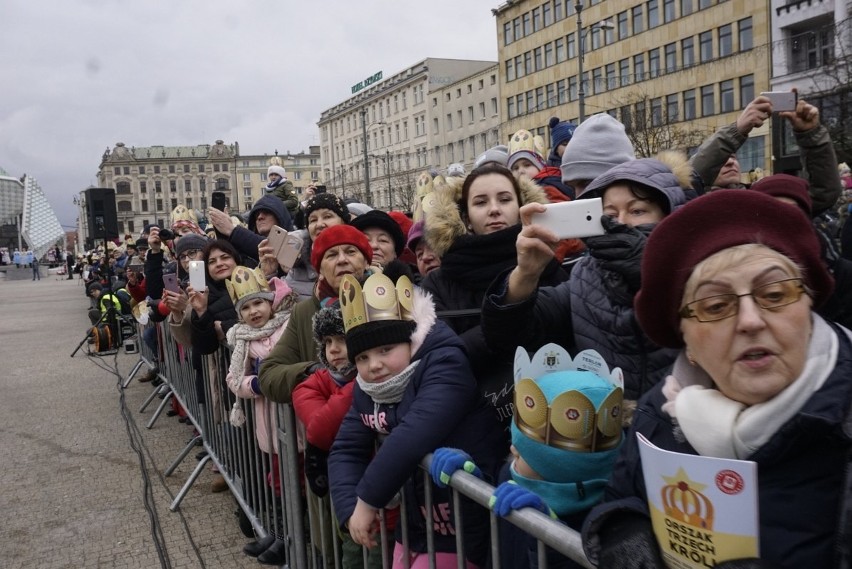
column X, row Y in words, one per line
column 673, row 71
column 150, row 182
column 26, row 217
column 812, row 51
column 399, row 127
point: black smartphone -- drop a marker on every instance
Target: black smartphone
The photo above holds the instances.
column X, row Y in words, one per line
column 320, row 189
column 219, row 201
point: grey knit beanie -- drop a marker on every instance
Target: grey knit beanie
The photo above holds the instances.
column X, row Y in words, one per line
column 498, row 154
column 598, row 144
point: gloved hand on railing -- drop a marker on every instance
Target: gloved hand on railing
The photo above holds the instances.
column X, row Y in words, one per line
column 627, row 542
column 509, row 497
column 316, row 469
column 445, row 461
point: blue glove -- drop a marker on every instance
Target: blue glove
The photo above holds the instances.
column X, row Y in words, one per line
column 255, row 366
column 509, row 497
column 445, row 461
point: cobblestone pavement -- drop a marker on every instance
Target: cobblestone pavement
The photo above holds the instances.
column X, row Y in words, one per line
column 71, row 486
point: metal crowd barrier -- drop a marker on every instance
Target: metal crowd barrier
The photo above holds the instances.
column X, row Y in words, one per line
column 311, row 537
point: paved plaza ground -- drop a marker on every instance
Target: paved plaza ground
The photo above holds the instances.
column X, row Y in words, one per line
column 72, row 490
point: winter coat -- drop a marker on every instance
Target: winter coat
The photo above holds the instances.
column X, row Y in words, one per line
column 804, row 474
column 295, row 353
column 815, row 150
column 286, row 193
column 219, row 307
column 320, row 404
column 440, row 408
column 246, row 240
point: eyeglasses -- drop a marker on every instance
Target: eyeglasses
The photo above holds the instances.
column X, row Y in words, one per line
column 769, row 296
column 188, row 255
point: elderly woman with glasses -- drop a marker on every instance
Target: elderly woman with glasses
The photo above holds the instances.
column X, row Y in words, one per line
column 732, row 280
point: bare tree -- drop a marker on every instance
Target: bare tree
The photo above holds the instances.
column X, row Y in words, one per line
column 404, row 189
column 652, row 127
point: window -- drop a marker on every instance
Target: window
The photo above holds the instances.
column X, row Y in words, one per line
column 510, row 69
column 521, row 104
column 174, row 203
column 548, row 54
column 687, row 50
column 572, row 48
column 745, row 34
column 247, row 191
column 142, row 169
column 186, row 168
column 726, row 40
column 157, row 169
column 171, row 169
column 653, row 14
column 654, row 62
column 671, row 57
column 707, row 106
column 558, row 12
column 481, row 84
column 624, row 72
column 668, row 10
column 519, row 66
column 689, row 105
column 493, row 105
column 656, row 111
column 596, row 37
column 638, row 25
column 551, row 94
column 671, row 109
column 538, row 58
column 469, row 88
column 560, row 50
column 640, row 114
column 726, row 96
column 626, row 118
column 189, row 203
column 702, row 4
column 527, row 23
column 639, row 66
column 536, row 19
column 705, row 46
column 752, row 154
column 597, row 81
column 144, row 205
column 200, row 167
column 158, row 186
column 686, row 7
column 510, row 112
column 470, row 114
column 530, row 102
column 435, row 126
column 622, row 25
column 508, row 37
column 561, row 92
column 202, row 186
column 528, row 63
column 215, row 167
column 746, row 90
column 482, row 110
column 143, row 187
column 459, row 118
column 611, row 79
column 517, row 32
column 546, row 14
column 572, row 88
column 187, row 185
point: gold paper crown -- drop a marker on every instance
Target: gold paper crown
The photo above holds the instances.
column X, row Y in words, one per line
column 424, row 188
column 683, row 501
column 525, row 140
column 182, row 213
column 378, row 300
column 571, row 421
column 275, row 161
column 245, row 281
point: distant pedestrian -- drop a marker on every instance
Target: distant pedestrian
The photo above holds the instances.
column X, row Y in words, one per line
column 36, row 273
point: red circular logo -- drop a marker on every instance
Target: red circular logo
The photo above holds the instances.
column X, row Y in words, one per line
column 729, row 482
column 572, row 414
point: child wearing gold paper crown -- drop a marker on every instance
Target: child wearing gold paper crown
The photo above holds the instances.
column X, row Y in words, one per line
column 263, row 309
column 414, row 392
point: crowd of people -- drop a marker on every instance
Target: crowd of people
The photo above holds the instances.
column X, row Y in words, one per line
column 724, row 305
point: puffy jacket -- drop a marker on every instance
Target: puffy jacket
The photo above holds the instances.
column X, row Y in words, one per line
column 247, row 240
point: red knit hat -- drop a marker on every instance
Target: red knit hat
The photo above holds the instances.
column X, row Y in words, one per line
column 707, row 225
column 338, row 235
column 786, row 186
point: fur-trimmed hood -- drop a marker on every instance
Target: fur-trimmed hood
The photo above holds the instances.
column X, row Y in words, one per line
column 424, row 318
column 444, row 223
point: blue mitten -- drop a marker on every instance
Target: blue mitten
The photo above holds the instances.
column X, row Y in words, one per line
column 445, row 461
column 509, row 497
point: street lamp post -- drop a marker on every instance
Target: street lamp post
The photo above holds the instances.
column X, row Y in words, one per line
column 581, row 43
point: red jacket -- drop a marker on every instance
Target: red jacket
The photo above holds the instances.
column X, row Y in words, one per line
column 137, row 291
column 320, row 404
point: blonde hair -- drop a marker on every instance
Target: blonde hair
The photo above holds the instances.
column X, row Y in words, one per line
column 732, row 257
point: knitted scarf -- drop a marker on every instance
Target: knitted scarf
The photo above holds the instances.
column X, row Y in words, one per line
column 238, row 337
column 272, row 185
column 387, row 392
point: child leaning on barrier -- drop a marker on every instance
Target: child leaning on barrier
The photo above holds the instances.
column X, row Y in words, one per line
column 263, row 309
column 566, row 434
column 414, row 392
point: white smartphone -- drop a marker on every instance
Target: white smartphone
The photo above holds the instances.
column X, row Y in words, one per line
column 782, row 100
column 286, row 246
column 570, row 220
column 197, row 276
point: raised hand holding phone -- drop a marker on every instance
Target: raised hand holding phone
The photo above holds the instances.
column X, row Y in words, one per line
column 197, row 275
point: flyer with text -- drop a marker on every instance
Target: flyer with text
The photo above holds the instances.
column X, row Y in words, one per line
column 703, row 509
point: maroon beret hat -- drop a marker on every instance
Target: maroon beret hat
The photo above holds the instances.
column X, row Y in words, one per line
column 338, row 235
column 707, row 225
column 786, row 186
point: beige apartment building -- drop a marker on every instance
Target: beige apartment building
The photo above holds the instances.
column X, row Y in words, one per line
column 427, row 116
column 151, row 181
column 672, row 70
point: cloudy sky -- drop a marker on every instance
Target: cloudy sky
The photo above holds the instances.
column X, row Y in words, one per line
column 80, row 75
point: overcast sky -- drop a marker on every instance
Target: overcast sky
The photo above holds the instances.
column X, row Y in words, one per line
column 78, row 76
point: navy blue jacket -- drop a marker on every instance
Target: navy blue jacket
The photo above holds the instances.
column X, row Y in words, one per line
column 802, row 472
column 440, row 408
column 246, row 240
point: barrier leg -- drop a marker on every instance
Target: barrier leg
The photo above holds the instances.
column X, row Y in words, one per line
column 166, row 400
column 157, row 391
column 187, row 449
column 133, row 372
column 188, row 484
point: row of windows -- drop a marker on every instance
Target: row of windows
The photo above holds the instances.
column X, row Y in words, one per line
column 448, row 95
column 471, row 116
column 646, row 15
column 380, row 110
column 172, row 169
column 564, row 48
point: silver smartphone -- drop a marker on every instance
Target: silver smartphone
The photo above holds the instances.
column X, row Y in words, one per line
column 574, row 219
column 782, row 100
column 286, row 246
column 197, row 276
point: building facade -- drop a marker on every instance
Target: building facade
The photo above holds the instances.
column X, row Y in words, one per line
column 150, row 182
column 27, row 219
column 672, row 71
column 375, row 143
